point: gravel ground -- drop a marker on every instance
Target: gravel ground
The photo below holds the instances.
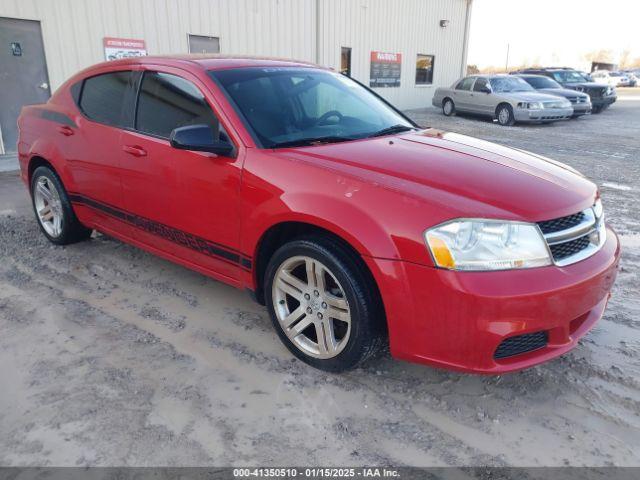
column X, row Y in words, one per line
column 111, row 356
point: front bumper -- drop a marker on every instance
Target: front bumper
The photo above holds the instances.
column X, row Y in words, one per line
column 603, row 101
column 542, row 115
column 581, row 109
column 457, row 320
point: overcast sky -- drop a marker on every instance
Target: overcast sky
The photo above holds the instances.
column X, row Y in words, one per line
column 552, row 32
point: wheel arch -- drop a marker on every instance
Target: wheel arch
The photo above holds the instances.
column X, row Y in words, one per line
column 285, row 231
column 38, row 161
column 507, row 104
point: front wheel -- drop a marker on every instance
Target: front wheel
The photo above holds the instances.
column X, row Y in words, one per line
column 322, row 305
column 504, row 114
column 53, row 209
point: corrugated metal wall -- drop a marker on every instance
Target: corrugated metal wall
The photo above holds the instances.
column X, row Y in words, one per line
column 73, row 31
column 408, row 27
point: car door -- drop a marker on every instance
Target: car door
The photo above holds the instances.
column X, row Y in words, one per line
column 483, row 102
column 184, row 203
column 462, row 94
column 92, row 150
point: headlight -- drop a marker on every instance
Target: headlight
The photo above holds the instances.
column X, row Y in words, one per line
column 480, row 244
column 535, row 105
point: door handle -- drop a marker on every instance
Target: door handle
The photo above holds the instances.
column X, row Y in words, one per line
column 66, row 130
column 135, row 150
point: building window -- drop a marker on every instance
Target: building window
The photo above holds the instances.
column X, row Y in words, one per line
column 424, row 69
column 202, row 44
column 345, row 61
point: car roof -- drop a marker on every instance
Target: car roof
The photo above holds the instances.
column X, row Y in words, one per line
column 213, row 61
column 529, row 75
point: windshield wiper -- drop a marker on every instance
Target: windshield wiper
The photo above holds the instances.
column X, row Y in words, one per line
column 392, row 129
column 301, row 142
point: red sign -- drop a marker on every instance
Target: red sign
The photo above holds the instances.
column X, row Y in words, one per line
column 386, row 69
column 384, row 57
column 115, row 48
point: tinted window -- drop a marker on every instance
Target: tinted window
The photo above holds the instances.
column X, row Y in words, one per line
column 465, row 83
column 103, row 97
column 167, row 101
column 541, row 82
column 568, row 76
column 305, row 105
column 480, row 84
column 424, row 69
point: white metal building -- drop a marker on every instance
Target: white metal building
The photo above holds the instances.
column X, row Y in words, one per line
column 402, row 48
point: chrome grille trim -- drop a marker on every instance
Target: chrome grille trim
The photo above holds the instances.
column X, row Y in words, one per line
column 591, row 228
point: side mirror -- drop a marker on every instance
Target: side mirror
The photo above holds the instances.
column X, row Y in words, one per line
column 485, row 89
column 200, row 138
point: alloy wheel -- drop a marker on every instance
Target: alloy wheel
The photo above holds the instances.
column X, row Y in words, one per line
column 503, row 116
column 48, row 206
column 311, row 307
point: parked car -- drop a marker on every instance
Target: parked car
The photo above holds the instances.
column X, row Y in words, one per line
column 634, row 77
column 602, row 96
column 507, row 99
column 615, row 79
column 580, row 102
column 353, row 226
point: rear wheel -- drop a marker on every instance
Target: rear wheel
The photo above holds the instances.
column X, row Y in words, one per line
column 53, row 209
column 322, row 305
column 504, row 114
column 448, row 107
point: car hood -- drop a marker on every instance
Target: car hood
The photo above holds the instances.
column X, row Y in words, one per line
column 562, row 92
column 585, row 85
column 461, row 175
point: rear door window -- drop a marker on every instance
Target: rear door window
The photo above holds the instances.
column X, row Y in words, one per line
column 480, row 84
column 465, row 83
column 167, row 101
column 102, row 97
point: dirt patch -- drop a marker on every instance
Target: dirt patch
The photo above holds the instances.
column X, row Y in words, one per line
column 116, row 357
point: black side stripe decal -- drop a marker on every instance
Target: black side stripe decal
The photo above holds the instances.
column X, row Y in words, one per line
column 166, row 232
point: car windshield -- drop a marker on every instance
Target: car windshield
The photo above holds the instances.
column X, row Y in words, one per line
column 509, row 84
column 541, row 82
column 286, row 106
column 568, row 76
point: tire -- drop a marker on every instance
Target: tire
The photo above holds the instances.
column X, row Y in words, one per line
column 504, row 114
column 448, row 107
column 53, row 210
column 598, row 109
column 301, row 317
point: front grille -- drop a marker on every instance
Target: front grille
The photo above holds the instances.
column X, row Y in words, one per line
column 553, row 105
column 566, row 249
column 573, row 99
column 558, row 224
column 574, row 237
column 596, row 91
column 521, row 344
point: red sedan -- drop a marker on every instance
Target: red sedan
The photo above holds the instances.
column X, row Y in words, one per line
column 352, row 225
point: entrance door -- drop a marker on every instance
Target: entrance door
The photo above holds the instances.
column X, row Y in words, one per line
column 23, row 74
